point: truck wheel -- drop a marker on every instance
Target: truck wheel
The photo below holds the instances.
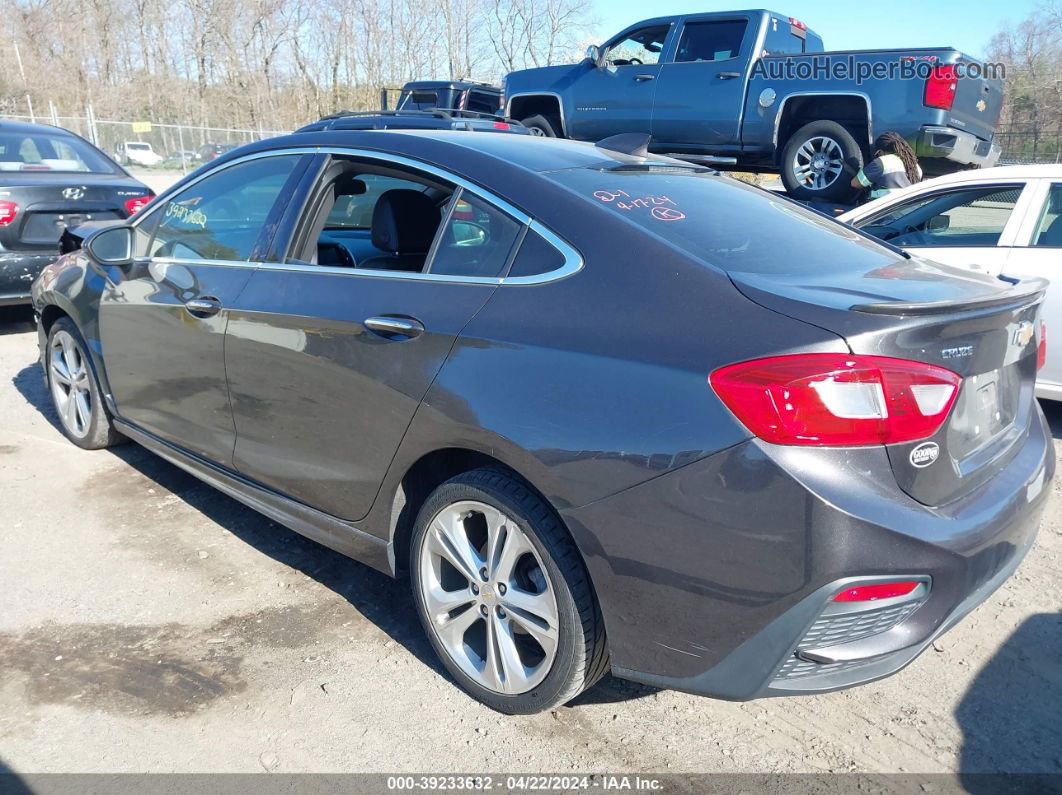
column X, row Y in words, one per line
column 543, row 125
column 819, row 162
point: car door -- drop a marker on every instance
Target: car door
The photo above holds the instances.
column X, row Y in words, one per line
column 162, row 322
column 1037, row 252
column 328, row 363
column 968, row 226
column 616, row 95
column 700, row 91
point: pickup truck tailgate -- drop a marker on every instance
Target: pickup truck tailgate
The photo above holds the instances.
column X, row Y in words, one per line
column 977, row 105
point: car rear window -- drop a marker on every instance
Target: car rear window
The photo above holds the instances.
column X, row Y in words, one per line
column 727, row 224
column 46, row 152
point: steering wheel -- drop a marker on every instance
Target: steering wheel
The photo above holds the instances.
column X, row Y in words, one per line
column 344, row 259
column 636, row 62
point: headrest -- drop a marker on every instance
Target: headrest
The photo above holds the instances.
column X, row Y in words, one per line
column 404, row 222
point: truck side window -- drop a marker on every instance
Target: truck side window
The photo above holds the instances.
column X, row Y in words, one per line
column 711, row 41
column 641, row 47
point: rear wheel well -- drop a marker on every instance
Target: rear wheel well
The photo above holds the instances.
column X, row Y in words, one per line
column 426, row 475
column 851, row 112
column 537, row 104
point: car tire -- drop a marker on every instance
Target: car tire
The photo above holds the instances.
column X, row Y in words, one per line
column 536, row 600
column 75, row 391
column 810, row 158
column 543, row 125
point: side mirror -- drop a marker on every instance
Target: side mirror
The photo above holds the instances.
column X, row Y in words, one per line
column 938, row 223
column 111, row 246
column 593, row 54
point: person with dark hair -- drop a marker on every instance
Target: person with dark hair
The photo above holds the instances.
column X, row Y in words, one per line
column 894, row 166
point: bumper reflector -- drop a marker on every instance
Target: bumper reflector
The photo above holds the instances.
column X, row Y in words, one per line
column 870, row 593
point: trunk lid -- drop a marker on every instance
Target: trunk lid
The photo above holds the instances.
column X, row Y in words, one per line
column 50, row 203
column 978, row 326
column 977, row 104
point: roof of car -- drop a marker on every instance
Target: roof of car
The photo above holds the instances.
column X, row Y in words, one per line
column 414, row 84
column 28, row 127
column 525, row 151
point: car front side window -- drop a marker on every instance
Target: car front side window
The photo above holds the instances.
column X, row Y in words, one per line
column 222, row 216
column 641, row 47
column 970, row 217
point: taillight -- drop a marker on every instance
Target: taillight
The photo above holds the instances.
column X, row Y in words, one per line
column 1041, row 349
column 132, row 206
column 940, row 87
column 833, row 399
column 500, row 125
column 8, row 211
column 871, row 593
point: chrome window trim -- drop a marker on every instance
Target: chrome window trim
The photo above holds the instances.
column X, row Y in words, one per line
column 573, row 261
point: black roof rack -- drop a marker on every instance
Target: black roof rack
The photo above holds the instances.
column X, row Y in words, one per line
column 438, row 113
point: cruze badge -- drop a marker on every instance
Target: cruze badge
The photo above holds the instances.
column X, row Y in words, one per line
column 958, row 352
column 925, row 454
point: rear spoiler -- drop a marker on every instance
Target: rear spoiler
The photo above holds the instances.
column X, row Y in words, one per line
column 1021, row 291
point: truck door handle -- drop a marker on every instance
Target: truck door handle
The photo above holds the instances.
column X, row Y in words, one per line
column 203, row 307
column 644, row 77
column 391, row 327
column 728, row 75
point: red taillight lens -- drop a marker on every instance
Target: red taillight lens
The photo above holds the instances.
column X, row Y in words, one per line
column 830, row 399
column 1041, row 349
column 132, row 206
column 869, row 593
column 500, row 125
column 940, row 87
column 8, row 211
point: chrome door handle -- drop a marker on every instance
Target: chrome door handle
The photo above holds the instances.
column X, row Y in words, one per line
column 389, row 327
column 729, row 75
column 203, row 307
column 645, row 77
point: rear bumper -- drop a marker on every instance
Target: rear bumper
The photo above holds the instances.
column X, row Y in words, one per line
column 18, row 269
column 711, row 577
column 960, row 147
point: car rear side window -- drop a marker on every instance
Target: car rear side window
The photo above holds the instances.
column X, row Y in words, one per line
column 535, row 257
column 725, row 223
column 1049, row 229
column 476, row 241
column 711, row 41
column 222, row 216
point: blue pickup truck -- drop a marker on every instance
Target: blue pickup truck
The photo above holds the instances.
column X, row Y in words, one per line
column 755, row 90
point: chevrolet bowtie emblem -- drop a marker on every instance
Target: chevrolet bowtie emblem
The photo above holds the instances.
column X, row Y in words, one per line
column 1023, row 333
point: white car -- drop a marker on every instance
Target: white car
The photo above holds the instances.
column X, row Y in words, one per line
column 137, row 153
column 1005, row 220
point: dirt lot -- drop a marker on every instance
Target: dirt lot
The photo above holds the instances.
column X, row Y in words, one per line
column 149, row 623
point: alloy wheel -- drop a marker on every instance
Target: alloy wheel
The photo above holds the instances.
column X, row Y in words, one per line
column 68, row 374
column 818, row 163
column 488, row 597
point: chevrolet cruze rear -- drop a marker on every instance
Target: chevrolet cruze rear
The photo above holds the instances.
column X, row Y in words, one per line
column 604, row 411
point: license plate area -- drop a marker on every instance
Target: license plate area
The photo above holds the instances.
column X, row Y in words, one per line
column 985, row 410
column 45, row 228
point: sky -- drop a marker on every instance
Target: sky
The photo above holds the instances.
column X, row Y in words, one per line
column 966, row 26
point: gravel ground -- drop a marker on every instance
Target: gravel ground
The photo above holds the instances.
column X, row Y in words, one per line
column 150, row 624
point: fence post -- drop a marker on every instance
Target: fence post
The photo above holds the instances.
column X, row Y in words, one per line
column 180, row 147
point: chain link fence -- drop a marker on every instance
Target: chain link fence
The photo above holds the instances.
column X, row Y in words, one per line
column 1028, row 143
column 173, row 147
